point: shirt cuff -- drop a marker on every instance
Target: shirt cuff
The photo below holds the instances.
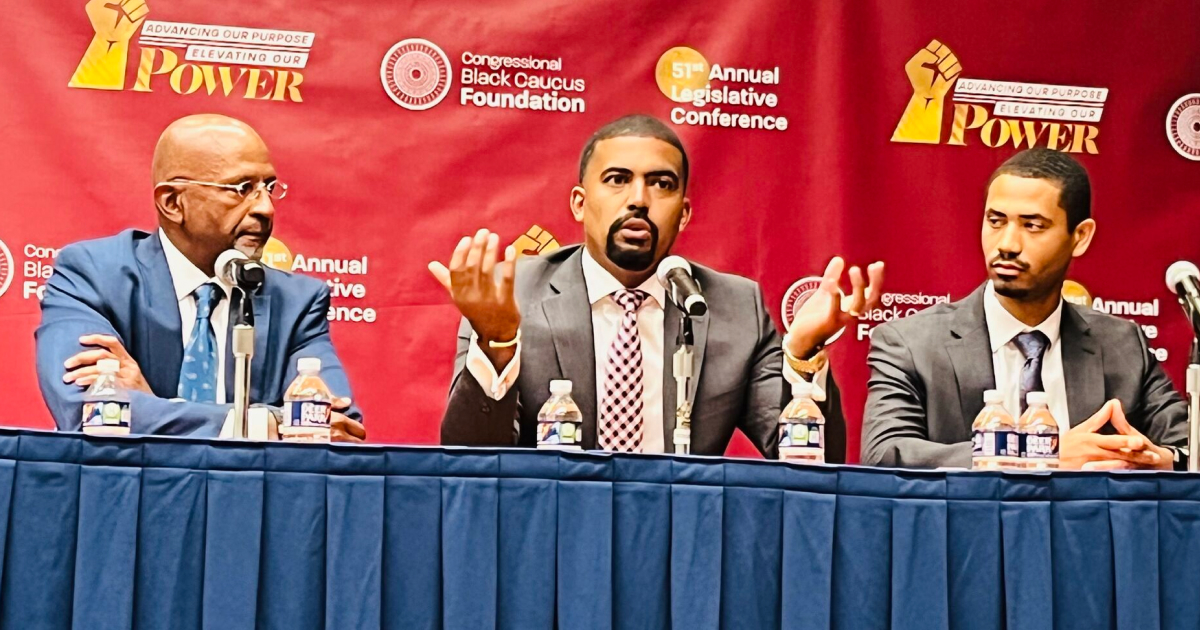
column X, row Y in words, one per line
column 818, row 379
column 480, row 366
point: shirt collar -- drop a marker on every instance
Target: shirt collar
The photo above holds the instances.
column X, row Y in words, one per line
column 1002, row 326
column 601, row 283
column 185, row 275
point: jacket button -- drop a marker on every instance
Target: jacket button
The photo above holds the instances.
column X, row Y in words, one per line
column 486, row 409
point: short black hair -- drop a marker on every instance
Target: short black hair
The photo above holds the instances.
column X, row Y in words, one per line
column 636, row 125
column 1064, row 171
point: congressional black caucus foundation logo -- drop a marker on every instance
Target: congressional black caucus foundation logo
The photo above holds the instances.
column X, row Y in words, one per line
column 416, row 74
column 1183, row 126
column 6, row 267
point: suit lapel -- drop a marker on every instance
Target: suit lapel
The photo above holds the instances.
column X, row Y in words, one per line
column 569, row 317
column 1083, row 366
column 671, row 325
column 970, row 353
column 158, row 333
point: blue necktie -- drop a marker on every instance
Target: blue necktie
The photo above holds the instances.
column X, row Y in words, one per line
column 1033, row 346
column 198, row 374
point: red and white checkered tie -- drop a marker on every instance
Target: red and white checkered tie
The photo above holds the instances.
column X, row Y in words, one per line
column 621, row 409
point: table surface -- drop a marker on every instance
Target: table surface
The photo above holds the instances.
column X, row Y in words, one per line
column 154, row 532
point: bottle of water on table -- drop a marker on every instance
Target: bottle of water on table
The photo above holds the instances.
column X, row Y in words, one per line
column 560, row 424
column 802, row 428
column 308, row 405
column 106, row 402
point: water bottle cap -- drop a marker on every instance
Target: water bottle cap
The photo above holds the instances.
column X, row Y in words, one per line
column 993, row 397
column 1037, row 398
column 802, row 388
column 560, row 387
column 309, row 364
column 109, row 366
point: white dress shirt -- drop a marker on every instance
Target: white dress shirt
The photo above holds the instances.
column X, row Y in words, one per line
column 1007, row 360
column 187, row 277
column 606, row 320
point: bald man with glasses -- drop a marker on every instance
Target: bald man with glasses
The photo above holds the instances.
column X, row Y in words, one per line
column 152, row 300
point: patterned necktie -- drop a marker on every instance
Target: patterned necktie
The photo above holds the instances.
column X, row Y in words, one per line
column 1033, row 346
column 621, row 410
column 198, row 374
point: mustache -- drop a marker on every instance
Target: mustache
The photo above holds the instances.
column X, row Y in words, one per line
column 1010, row 260
column 629, row 216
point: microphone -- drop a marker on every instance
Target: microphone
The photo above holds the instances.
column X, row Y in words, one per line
column 1184, row 279
column 240, row 271
column 675, row 274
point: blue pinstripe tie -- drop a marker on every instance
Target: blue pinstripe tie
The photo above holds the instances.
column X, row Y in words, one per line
column 1033, row 346
column 198, row 374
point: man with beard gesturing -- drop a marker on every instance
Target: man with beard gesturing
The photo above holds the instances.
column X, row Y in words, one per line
column 597, row 315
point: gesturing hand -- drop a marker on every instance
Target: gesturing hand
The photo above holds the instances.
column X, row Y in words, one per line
column 483, row 296
column 827, row 311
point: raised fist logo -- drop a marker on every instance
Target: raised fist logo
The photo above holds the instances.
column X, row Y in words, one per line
column 115, row 23
column 534, row 242
column 932, row 72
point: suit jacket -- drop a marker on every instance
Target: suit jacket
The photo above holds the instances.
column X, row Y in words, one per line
column 738, row 373
column 929, row 372
column 121, row 286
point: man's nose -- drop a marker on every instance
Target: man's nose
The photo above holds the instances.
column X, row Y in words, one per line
column 1010, row 240
column 637, row 195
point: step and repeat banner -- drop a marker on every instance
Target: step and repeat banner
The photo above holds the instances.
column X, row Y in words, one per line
column 815, row 128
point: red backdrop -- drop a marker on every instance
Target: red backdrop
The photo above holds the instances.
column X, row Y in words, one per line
column 371, row 178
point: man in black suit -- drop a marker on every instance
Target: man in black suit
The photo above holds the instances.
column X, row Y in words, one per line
column 1016, row 334
column 595, row 314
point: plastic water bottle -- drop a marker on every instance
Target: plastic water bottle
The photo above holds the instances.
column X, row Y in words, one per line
column 996, row 443
column 1039, row 433
column 560, row 424
column 308, row 405
column 106, row 403
column 802, row 428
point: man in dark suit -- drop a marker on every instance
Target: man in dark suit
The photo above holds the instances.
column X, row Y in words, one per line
column 152, row 301
column 595, row 314
column 1016, row 334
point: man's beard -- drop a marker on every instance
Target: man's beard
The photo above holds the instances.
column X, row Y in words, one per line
column 630, row 259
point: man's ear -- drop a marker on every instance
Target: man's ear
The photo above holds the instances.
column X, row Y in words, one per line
column 577, row 197
column 686, row 217
column 1083, row 234
column 168, row 201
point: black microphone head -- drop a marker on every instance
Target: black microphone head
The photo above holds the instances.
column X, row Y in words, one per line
column 693, row 303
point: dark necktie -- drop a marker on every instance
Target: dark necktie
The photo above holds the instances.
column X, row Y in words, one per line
column 1033, row 346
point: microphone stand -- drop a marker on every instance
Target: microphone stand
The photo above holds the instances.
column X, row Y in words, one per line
column 1193, row 394
column 682, row 366
column 241, row 307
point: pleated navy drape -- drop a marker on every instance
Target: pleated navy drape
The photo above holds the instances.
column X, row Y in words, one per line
column 175, row 533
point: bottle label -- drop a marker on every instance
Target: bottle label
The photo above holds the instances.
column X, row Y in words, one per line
column 109, row 413
column 1041, row 446
column 996, row 444
column 802, row 434
column 309, row 413
column 565, row 433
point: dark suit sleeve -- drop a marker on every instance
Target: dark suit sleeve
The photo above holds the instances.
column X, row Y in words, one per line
column 1162, row 414
column 769, row 392
column 73, row 306
column 312, row 339
column 472, row 417
column 895, row 430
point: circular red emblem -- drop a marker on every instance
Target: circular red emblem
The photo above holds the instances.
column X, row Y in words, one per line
column 416, row 74
column 796, row 296
column 1183, row 126
column 6, row 268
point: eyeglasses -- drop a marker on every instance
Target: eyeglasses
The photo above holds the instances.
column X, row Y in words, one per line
column 275, row 188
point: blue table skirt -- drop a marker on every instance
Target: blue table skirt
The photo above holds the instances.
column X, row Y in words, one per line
column 174, row 533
